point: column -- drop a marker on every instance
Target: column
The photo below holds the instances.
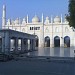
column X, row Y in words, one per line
column 33, row 44
column 61, row 45
column 71, row 42
column 22, row 45
column 7, row 43
column 16, row 45
column 61, row 42
column 28, row 44
column 52, row 43
column 41, row 42
column 3, row 44
column 72, row 47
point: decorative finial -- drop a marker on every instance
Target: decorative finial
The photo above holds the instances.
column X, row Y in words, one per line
column 61, row 18
column 42, row 18
column 51, row 18
column 27, row 18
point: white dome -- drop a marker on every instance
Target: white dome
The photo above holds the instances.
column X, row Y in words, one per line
column 35, row 19
column 57, row 19
column 24, row 19
column 47, row 18
column 17, row 21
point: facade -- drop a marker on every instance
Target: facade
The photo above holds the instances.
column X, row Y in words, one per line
column 51, row 32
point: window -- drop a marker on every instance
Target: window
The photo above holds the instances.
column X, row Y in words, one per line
column 34, row 28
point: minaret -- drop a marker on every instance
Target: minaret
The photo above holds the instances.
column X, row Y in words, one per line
column 51, row 19
column 42, row 37
column 27, row 18
column 61, row 18
column 42, row 18
column 19, row 21
column 4, row 17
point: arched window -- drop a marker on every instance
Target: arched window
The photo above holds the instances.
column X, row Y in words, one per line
column 56, row 41
column 47, row 41
column 66, row 41
column 36, row 41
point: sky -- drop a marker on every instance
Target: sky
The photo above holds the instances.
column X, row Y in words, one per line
column 20, row 8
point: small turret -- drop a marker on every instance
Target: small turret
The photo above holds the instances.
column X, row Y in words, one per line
column 27, row 19
column 42, row 18
column 51, row 19
column 61, row 18
column 24, row 21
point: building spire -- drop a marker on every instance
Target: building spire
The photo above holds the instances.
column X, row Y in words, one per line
column 61, row 18
column 51, row 19
column 27, row 18
column 4, row 16
column 42, row 18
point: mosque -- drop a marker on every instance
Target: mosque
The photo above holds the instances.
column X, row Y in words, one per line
column 50, row 31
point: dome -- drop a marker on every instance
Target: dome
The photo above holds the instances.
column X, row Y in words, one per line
column 9, row 20
column 35, row 19
column 57, row 19
column 24, row 19
column 17, row 21
column 47, row 18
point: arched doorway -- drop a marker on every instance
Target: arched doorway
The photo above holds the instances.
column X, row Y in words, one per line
column 47, row 41
column 37, row 41
column 12, row 44
column 56, row 41
column 66, row 41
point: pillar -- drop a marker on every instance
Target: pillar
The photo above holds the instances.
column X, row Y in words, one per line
column 33, row 44
column 7, row 43
column 52, row 43
column 61, row 45
column 16, row 45
column 41, row 42
column 61, row 42
column 71, row 42
column 72, row 47
column 25, row 44
column 3, row 44
column 22, row 45
column 28, row 44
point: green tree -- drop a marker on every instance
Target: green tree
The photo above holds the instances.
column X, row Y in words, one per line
column 71, row 13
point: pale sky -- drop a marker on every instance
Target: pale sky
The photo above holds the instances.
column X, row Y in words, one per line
column 20, row 8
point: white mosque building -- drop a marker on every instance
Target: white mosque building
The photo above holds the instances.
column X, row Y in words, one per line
column 51, row 32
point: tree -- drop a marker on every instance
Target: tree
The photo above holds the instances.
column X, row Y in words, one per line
column 71, row 13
